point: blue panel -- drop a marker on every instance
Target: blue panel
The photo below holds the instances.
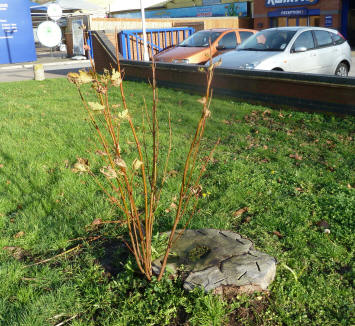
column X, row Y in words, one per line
column 344, row 18
column 16, row 34
column 219, row 10
column 285, row 3
column 293, row 12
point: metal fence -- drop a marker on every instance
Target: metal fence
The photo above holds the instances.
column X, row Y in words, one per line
column 131, row 41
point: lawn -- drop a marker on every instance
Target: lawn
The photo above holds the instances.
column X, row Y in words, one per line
column 278, row 178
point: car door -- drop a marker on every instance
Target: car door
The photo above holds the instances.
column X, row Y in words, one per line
column 326, row 51
column 303, row 56
column 226, row 43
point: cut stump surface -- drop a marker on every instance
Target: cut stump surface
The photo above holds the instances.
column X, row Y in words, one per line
column 215, row 259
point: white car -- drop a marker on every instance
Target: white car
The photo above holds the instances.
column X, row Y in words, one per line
column 297, row 49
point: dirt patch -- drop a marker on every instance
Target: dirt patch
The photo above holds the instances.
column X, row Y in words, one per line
column 250, row 313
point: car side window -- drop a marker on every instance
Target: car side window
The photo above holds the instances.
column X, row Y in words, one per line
column 338, row 39
column 323, row 38
column 244, row 35
column 304, row 40
column 228, row 41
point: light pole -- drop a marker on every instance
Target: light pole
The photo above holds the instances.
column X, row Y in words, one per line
column 145, row 53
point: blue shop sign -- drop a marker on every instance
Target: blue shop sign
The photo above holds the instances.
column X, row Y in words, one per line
column 328, row 21
column 216, row 10
column 292, row 12
column 285, row 3
column 16, row 33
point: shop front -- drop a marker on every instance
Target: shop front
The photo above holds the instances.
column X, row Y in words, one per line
column 335, row 14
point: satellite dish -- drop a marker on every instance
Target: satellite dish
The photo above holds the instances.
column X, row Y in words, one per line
column 54, row 11
column 49, row 34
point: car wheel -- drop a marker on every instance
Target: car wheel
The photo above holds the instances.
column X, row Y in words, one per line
column 342, row 70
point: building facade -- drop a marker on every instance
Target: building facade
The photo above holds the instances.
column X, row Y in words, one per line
column 337, row 14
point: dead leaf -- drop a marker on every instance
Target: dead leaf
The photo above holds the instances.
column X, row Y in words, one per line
column 66, row 163
column 281, row 115
column 349, row 186
column 240, row 211
column 137, row 164
column 265, row 147
column 97, row 221
column 278, row 234
column 202, row 100
column 120, row 163
column 8, row 182
column 247, row 219
column 266, row 112
column 196, row 190
column 227, row 122
column 101, row 153
column 296, row 157
column 19, row 234
column 299, row 189
column 1, row 166
column 108, row 172
column 173, row 173
column 172, row 207
column 16, row 252
column 82, row 165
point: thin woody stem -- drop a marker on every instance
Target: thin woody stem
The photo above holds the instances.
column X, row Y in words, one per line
column 197, row 137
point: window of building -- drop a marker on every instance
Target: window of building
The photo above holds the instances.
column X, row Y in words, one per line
column 288, row 21
column 314, row 21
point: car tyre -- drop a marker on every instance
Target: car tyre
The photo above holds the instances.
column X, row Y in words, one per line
column 342, row 70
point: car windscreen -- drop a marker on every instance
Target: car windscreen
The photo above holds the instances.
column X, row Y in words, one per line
column 268, row 40
column 200, row 39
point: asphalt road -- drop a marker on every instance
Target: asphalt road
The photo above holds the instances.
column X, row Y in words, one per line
column 17, row 73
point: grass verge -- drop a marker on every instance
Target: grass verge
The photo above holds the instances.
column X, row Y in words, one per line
column 276, row 178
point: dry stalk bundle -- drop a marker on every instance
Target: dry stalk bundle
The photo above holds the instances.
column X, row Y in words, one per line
column 121, row 177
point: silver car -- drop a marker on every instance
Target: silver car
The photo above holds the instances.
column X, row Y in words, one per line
column 297, row 49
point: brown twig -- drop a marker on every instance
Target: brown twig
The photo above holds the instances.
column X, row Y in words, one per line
column 62, row 254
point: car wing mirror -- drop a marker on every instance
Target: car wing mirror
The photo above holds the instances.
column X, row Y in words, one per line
column 300, row 49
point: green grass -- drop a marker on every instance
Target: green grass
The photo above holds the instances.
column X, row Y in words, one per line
column 290, row 169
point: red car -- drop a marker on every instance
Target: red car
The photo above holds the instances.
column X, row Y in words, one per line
column 196, row 49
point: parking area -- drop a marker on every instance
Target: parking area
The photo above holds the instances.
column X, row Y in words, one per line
column 56, row 67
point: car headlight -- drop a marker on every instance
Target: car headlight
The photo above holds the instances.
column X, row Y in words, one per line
column 180, row 61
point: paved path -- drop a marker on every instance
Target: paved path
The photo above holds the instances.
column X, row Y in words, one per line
column 52, row 70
